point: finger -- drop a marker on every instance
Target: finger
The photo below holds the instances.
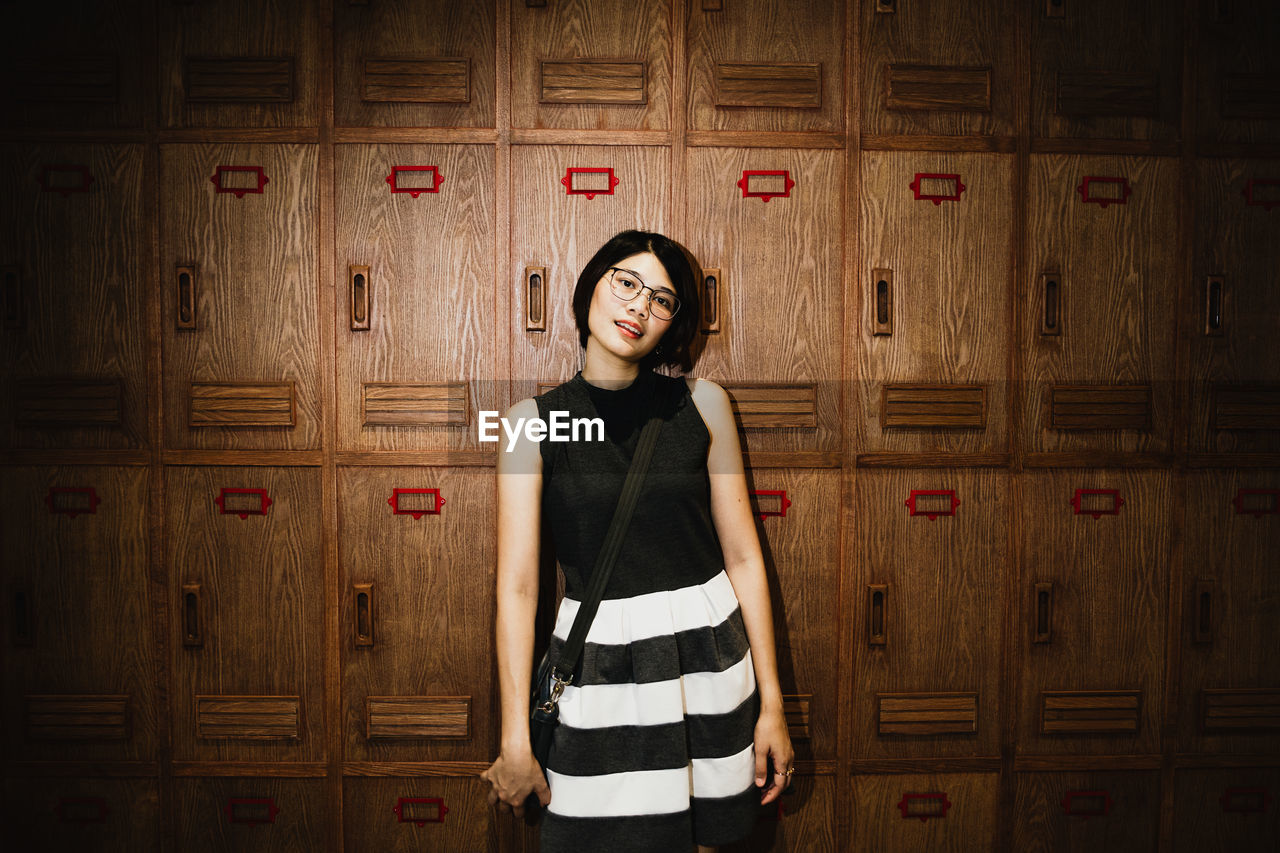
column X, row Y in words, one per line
column 762, row 758
column 771, row 794
column 543, row 791
column 503, row 808
column 518, row 811
column 493, row 796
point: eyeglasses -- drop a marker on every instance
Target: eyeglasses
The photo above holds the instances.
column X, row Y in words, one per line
column 626, row 285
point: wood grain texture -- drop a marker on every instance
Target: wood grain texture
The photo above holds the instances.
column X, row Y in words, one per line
column 1202, row 825
column 1041, row 823
column 950, row 264
column 938, row 69
column 616, row 31
column 433, row 632
column 1110, row 612
column 248, row 80
column 417, row 716
column 1117, row 319
column 261, row 599
column 781, row 313
column 1236, row 241
column 32, row 804
column 1236, row 74
column 969, row 824
column 803, row 818
column 81, row 260
column 431, row 297
column 1107, row 55
column 942, row 617
column 396, row 64
column 260, row 39
column 241, row 404
column 469, row 824
column 742, row 60
column 84, row 577
column 594, row 81
column 247, row 717
column 201, row 823
column 257, row 295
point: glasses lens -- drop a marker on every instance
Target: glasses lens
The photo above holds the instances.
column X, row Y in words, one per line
column 625, row 286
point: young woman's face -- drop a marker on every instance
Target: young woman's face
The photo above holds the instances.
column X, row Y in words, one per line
column 629, row 329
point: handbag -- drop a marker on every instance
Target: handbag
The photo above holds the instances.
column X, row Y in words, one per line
column 553, row 676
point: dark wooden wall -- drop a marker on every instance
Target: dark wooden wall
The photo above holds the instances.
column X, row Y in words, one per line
column 993, row 284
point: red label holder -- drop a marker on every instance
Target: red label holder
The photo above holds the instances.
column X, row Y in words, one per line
column 438, row 802
column 394, row 500
column 932, row 514
column 82, row 810
column 783, row 502
column 568, row 181
column 394, row 179
column 1245, row 800
column 1117, row 502
column 65, row 189
column 937, row 199
column 261, row 509
column 1265, row 203
column 59, row 505
column 934, row 805
column 1087, row 197
column 1087, row 803
column 1240, row 501
column 239, row 191
column 250, row 810
column 745, row 182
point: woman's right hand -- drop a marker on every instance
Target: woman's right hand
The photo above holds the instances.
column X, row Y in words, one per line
column 512, row 778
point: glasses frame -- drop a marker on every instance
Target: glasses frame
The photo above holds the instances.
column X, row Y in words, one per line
column 643, row 287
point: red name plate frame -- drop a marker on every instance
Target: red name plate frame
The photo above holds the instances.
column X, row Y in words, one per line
column 936, row 199
column 263, row 502
column 1239, row 502
column 393, row 180
column 1086, row 197
column 1086, row 803
column 1245, row 800
column 745, row 182
column 57, row 507
column 239, row 192
column 231, row 811
column 438, row 802
column 932, row 515
column 394, row 500
column 567, row 180
column 783, row 502
column 937, row 797
column 82, row 810
column 1265, row 204
column 1117, row 502
column 62, row 189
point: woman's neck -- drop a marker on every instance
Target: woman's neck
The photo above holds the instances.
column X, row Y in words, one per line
column 606, row 370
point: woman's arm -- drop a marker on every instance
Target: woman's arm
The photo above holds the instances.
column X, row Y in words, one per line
column 744, row 564
column 515, row 772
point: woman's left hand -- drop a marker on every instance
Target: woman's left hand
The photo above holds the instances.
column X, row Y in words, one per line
column 773, row 743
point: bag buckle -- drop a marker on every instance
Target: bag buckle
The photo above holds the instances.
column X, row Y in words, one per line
column 558, row 683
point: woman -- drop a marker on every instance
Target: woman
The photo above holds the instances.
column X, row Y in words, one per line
column 671, row 733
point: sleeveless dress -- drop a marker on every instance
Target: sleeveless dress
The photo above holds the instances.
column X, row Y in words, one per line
column 654, row 750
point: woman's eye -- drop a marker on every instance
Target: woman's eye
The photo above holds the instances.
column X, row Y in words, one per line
column 663, row 301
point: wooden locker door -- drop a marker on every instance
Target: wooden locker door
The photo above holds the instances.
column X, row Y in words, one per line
column 1226, row 810
column 239, row 63
column 73, row 293
column 246, row 621
column 1093, row 603
column 774, row 240
column 1229, row 696
column 79, row 675
column 602, row 65
column 415, row 307
column 104, row 815
column 1234, row 376
column 1101, row 811
column 1106, row 70
column 935, row 282
column 556, row 227
column 925, row 812
column 927, row 607
column 443, row 811
column 1237, row 70
column 237, row 273
column 915, row 82
column 802, row 820
column 247, row 815
column 756, row 65
column 409, row 63
column 1099, row 310
column 416, row 624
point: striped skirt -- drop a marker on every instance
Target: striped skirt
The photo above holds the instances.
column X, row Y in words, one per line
column 654, row 748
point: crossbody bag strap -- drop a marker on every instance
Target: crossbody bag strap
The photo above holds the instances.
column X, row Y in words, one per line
column 571, row 652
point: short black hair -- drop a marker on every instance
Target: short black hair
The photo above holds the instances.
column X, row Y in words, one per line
column 675, row 347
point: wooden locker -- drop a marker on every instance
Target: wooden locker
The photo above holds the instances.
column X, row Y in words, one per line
column 1098, row 810
column 1098, row 313
column 1229, row 695
column 79, row 674
column 76, row 65
column 249, row 815
column 1093, row 599
column 802, row 820
column 416, row 302
column 105, row 815
column 1233, row 375
column 603, row 65
column 925, row 812
column 416, row 627
column 755, row 65
column 74, row 294
column 767, row 220
column 237, row 274
column 246, row 623
column 440, row 812
column 928, row 550
column 1237, row 72
column 1226, row 810
column 914, row 82
column 1105, row 70
column 238, row 63
column 414, row 64
column 935, row 248
column 558, row 223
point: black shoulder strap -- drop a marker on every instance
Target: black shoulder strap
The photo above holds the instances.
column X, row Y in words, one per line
column 571, row 652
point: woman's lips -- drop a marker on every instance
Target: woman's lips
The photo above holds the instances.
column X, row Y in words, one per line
column 626, row 330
